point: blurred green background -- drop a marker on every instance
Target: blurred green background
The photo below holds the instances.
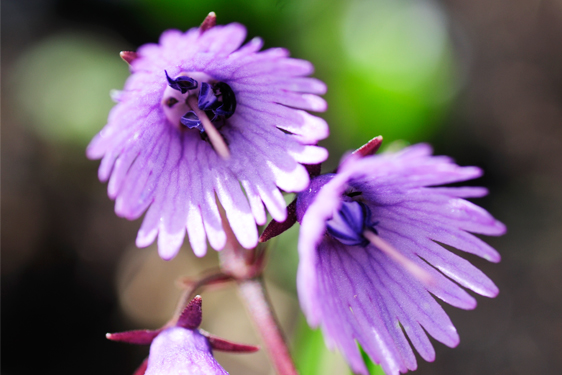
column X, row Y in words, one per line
column 480, row 80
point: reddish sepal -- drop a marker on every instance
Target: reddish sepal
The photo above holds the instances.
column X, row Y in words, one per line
column 192, row 314
column 370, row 147
column 208, row 22
column 275, row 228
column 228, row 346
column 128, row 56
column 140, row 337
column 142, row 368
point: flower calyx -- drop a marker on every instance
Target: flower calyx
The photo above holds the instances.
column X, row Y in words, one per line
column 190, row 318
column 276, row 228
column 184, row 334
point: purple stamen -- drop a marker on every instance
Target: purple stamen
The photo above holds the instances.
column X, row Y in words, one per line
column 228, row 100
column 207, row 98
column 218, row 100
column 191, row 120
column 182, row 83
column 349, row 222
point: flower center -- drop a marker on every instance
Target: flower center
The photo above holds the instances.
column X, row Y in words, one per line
column 214, row 99
column 349, row 223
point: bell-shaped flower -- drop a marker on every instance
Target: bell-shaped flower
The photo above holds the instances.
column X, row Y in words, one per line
column 373, row 256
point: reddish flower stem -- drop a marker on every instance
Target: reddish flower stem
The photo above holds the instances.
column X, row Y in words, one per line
column 255, row 297
column 246, row 267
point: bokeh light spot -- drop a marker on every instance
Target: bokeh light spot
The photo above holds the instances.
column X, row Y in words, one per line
column 62, row 86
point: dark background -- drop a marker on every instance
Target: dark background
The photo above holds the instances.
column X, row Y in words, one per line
column 490, row 94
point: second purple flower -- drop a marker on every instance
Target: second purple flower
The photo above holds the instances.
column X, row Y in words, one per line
column 371, row 254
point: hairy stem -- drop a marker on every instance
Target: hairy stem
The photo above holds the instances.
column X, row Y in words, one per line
column 255, row 297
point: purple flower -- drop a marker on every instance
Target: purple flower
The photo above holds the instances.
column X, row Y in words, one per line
column 182, row 348
column 371, row 254
column 178, row 350
column 203, row 116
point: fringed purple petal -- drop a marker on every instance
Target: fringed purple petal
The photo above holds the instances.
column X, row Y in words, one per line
column 238, row 211
column 196, row 230
column 222, row 40
column 249, row 48
column 295, row 100
column 256, row 204
column 306, row 128
column 297, row 84
column 462, row 192
column 438, row 230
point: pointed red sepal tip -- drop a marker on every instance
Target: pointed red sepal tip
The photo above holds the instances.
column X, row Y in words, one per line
column 208, row 22
column 192, row 314
column 142, row 368
column 370, row 147
column 275, row 228
column 128, row 56
column 228, row 346
column 139, row 337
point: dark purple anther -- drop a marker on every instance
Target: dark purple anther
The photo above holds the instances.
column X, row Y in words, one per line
column 349, row 222
column 191, row 120
column 228, row 100
column 182, row 83
column 207, row 99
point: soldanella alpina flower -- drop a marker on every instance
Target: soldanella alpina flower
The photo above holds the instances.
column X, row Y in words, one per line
column 182, row 348
column 203, row 116
column 372, row 255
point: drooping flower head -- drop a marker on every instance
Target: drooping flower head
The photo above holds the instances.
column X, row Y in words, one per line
column 371, row 254
column 203, row 116
column 182, row 348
